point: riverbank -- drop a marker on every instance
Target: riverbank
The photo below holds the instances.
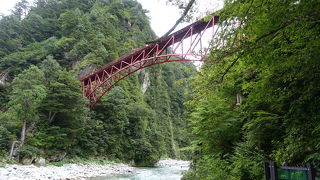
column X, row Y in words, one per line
column 66, row 171
column 75, row 171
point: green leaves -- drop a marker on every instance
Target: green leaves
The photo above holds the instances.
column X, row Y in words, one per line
column 272, row 60
column 5, row 138
column 28, row 91
column 69, row 20
column 66, row 40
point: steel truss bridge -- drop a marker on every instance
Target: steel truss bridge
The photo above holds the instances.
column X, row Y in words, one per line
column 186, row 44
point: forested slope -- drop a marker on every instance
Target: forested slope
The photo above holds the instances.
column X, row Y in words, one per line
column 45, row 49
column 258, row 99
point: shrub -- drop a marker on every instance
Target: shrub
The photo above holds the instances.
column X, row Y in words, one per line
column 28, row 152
column 4, row 140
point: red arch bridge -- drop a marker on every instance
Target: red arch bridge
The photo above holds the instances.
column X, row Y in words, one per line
column 186, row 44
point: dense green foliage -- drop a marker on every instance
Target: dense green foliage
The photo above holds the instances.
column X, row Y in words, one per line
column 46, row 48
column 268, row 54
column 257, row 99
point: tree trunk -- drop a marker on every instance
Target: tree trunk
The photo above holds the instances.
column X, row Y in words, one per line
column 23, row 132
column 184, row 14
column 51, row 116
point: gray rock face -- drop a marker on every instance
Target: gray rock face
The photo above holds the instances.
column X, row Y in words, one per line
column 4, row 75
column 87, row 70
column 146, row 80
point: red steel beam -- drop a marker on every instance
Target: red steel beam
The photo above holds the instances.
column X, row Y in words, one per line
column 197, row 27
column 106, row 77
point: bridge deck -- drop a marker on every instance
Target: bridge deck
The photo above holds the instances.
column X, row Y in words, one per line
column 162, row 43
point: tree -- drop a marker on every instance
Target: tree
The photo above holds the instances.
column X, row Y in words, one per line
column 272, row 61
column 21, row 9
column 52, row 70
column 73, row 37
column 4, row 140
column 64, row 109
column 28, row 91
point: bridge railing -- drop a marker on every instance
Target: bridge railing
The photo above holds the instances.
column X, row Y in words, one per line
column 186, row 44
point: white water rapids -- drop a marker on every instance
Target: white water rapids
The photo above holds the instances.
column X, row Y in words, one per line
column 165, row 170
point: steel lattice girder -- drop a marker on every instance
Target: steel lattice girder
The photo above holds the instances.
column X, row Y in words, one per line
column 97, row 83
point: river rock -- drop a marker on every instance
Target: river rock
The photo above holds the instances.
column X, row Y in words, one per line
column 57, row 157
column 26, row 161
column 67, row 171
column 40, row 161
column 172, row 162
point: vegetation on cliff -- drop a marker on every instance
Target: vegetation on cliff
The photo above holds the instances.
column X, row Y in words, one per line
column 45, row 49
column 256, row 99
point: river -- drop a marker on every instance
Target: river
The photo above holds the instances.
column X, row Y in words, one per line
column 165, row 171
column 169, row 169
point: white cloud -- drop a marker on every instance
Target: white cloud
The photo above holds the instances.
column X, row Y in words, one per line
column 162, row 16
column 6, row 6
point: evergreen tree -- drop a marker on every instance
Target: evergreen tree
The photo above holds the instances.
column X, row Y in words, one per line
column 67, row 40
column 28, row 91
column 270, row 63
